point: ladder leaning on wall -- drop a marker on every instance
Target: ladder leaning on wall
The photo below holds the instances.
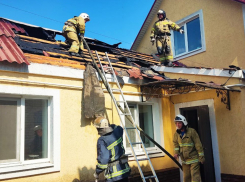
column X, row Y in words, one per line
column 126, row 113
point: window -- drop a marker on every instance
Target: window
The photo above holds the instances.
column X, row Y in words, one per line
column 36, row 127
column 147, row 116
column 193, row 40
column 27, row 131
column 142, row 115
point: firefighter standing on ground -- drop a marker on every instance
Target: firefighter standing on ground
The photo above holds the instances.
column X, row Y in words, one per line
column 74, row 28
column 110, row 152
column 188, row 146
column 161, row 34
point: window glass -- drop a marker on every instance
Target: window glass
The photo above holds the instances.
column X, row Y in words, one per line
column 131, row 133
column 8, row 130
column 36, row 129
column 179, row 42
column 194, row 34
column 146, row 123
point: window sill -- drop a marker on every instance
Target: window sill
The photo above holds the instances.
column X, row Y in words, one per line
column 188, row 54
column 21, row 170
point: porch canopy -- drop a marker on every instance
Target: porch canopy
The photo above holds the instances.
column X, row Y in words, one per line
column 171, row 87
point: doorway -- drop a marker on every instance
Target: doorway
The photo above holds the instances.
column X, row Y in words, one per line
column 198, row 118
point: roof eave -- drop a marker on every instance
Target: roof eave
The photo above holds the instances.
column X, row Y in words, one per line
column 144, row 27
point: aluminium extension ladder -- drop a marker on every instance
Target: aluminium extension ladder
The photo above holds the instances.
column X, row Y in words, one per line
column 127, row 114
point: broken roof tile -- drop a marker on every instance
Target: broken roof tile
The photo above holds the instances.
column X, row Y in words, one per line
column 134, row 73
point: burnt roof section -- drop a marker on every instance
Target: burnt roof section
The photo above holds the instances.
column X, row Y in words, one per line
column 39, row 45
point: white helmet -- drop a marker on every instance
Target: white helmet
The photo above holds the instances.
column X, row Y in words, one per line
column 181, row 118
column 38, row 127
column 85, row 16
column 101, row 122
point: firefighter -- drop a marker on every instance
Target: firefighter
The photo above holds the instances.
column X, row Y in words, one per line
column 161, row 34
column 72, row 30
column 110, row 152
column 188, row 146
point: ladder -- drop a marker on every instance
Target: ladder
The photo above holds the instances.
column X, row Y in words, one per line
column 127, row 114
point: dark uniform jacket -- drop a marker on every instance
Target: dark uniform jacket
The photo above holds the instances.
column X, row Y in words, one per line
column 110, row 149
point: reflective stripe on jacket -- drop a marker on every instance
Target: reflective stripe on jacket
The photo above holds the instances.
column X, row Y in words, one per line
column 163, row 26
column 109, row 149
column 189, row 147
column 77, row 24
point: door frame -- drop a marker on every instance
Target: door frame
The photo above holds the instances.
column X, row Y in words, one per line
column 213, row 128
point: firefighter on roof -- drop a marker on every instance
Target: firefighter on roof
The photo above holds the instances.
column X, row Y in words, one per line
column 188, row 146
column 72, row 30
column 110, row 152
column 161, row 34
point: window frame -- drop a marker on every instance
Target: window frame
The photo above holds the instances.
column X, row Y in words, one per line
column 24, row 167
column 183, row 22
column 157, row 125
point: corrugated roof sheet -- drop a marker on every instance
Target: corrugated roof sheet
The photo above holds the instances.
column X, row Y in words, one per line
column 6, row 28
column 10, row 51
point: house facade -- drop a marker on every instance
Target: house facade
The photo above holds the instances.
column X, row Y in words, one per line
column 41, row 85
column 213, row 40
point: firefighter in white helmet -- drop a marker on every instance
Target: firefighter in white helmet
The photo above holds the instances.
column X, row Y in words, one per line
column 73, row 29
column 188, row 146
column 110, row 152
column 161, row 34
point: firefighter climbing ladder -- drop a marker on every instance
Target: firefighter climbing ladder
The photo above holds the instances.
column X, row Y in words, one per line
column 127, row 114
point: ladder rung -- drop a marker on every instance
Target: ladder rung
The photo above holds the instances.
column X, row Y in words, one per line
column 115, row 89
column 135, row 143
column 130, row 128
column 150, row 177
column 143, row 159
column 126, row 114
column 121, row 101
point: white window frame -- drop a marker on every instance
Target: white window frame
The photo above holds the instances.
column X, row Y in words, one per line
column 157, row 125
column 38, row 166
column 183, row 22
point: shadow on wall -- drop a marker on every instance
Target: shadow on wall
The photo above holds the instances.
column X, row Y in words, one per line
column 86, row 175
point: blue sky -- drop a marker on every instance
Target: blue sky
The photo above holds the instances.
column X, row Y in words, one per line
column 112, row 21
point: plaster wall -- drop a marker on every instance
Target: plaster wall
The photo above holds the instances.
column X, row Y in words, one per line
column 223, row 27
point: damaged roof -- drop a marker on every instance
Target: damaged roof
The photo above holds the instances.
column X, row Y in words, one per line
column 24, row 43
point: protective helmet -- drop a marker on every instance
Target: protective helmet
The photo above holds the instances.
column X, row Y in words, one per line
column 85, row 16
column 101, row 122
column 181, row 118
column 38, row 127
column 160, row 11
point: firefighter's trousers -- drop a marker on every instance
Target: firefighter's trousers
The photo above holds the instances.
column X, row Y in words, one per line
column 163, row 44
column 72, row 39
column 191, row 172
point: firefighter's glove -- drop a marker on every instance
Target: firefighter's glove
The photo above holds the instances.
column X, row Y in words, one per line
column 201, row 159
column 153, row 39
column 181, row 31
column 81, row 35
column 96, row 176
